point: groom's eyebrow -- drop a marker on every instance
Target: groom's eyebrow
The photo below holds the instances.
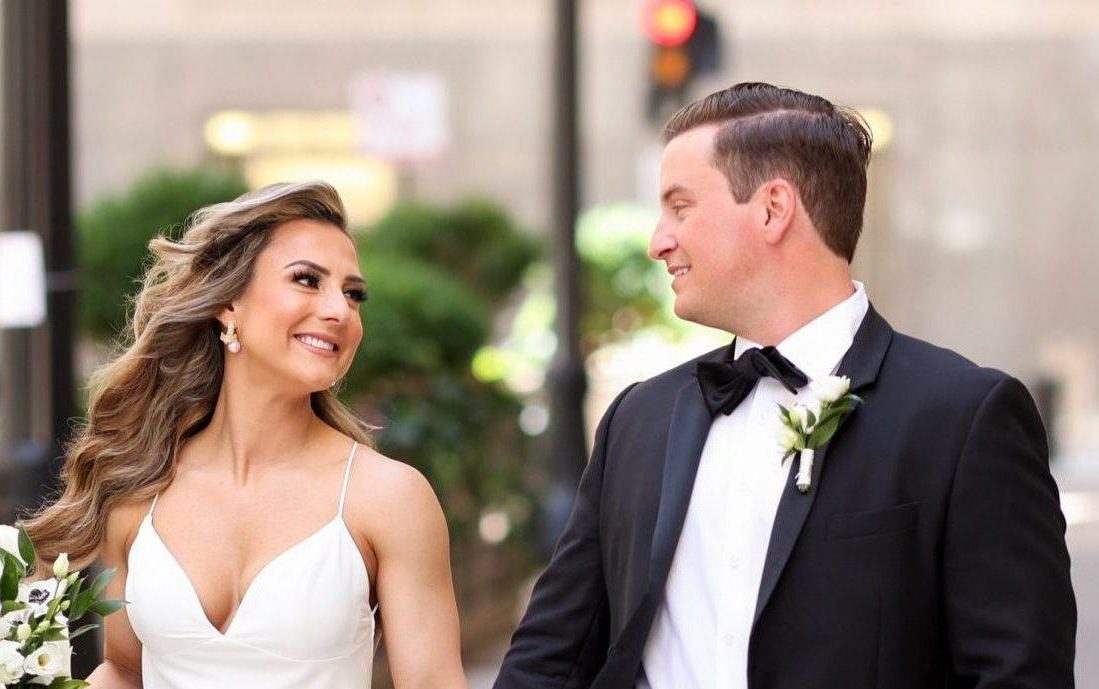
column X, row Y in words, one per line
column 672, row 191
column 323, row 271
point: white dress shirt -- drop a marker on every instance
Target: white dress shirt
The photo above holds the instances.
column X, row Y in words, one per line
column 699, row 639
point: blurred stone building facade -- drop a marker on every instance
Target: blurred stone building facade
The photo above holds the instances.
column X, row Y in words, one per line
column 981, row 229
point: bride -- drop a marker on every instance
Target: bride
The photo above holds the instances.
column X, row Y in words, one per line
column 257, row 535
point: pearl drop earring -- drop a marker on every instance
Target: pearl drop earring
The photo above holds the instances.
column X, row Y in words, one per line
column 229, row 337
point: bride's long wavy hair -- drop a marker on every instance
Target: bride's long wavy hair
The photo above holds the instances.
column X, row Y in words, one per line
column 163, row 387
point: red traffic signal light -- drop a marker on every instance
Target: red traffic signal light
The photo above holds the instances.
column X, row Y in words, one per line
column 684, row 42
column 669, row 23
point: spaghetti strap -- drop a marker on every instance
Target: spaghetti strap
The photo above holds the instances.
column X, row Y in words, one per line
column 153, row 505
column 346, row 476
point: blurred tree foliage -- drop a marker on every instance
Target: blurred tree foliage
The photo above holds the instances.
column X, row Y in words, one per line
column 624, row 290
column 113, row 234
column 475, row 242
column 437, row 280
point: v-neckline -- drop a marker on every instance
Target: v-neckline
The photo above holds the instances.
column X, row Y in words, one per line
column 231, row 621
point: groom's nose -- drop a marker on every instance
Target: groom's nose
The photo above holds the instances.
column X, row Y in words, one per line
column 661, row 242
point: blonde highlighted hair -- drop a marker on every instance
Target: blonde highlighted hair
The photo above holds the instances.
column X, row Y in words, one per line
column 163, row 387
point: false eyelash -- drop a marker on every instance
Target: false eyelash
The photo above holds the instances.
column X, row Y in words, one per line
column 302, row 274
column 356, row 295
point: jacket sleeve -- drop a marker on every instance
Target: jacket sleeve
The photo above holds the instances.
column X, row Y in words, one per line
column 562, row 639
column 1009, row 606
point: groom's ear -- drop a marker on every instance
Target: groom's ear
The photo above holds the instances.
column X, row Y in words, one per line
column 777, row 202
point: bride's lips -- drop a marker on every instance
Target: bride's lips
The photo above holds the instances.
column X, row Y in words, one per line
column 323, row 345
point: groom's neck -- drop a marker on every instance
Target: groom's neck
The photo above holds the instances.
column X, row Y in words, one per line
column 790, row 304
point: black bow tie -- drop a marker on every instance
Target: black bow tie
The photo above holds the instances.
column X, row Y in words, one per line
column 726, row 383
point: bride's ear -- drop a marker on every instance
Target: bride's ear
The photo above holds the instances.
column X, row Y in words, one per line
column 225, row 315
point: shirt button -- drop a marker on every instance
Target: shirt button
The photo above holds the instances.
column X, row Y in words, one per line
column 734, row 561
column 730, row 639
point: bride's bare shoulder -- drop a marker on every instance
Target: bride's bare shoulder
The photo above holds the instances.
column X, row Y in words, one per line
column 123, row 521
column 391, row 494
column 383, row 478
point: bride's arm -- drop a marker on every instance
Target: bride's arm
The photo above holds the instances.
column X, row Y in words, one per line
column 398, row 512
column 121, row 667
column 111, row 676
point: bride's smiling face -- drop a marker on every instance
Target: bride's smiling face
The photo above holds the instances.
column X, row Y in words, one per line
column 298, row 320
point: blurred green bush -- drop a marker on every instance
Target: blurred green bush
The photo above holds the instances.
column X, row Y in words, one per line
column 438, row 279
column 112, row 235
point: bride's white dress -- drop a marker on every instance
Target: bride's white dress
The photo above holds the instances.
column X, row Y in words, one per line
column 305, row 620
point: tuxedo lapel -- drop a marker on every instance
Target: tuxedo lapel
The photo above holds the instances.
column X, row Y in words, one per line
column 690, row 425
column 861, row 365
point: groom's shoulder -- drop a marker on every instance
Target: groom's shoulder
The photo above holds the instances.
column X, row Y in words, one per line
column 667, row 384
column 932, row 366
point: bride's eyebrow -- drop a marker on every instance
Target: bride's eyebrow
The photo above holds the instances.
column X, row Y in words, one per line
column 324, row 271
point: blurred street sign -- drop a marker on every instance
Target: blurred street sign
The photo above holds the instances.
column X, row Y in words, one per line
column 22, row 280
column 404, row 115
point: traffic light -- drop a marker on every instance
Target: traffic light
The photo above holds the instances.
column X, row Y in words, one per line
column 684, row 42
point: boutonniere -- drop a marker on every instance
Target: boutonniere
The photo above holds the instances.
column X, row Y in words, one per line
column 807, row 427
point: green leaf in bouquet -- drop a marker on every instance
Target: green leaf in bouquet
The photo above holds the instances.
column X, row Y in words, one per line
column 106, row 607
column 74, row 591
column 54, row 634
column 82, row 630
column 26, row 548
column 9, row 579
column 66, row 683
column 99, row 584
column 11, row 606
column 53, row 606
column 80, row 605
column 82, row 599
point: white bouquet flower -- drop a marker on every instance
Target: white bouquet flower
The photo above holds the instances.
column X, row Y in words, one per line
column 35, row 641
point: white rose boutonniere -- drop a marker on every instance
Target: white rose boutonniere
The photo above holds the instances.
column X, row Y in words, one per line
column 829, row 389
column 806, row 427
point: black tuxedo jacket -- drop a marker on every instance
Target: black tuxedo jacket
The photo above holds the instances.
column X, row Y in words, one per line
column 929, row 552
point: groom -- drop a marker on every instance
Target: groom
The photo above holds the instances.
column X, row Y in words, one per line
column 928, row 550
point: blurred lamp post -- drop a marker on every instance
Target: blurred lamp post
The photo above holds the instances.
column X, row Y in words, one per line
column 567, row 381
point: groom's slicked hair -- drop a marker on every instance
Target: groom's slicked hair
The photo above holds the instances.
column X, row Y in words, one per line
column 769, row 132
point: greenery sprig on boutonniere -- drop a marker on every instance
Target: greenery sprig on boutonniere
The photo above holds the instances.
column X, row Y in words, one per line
column 807, row 427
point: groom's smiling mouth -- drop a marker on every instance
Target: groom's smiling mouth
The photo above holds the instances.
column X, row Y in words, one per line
column 678, row 271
